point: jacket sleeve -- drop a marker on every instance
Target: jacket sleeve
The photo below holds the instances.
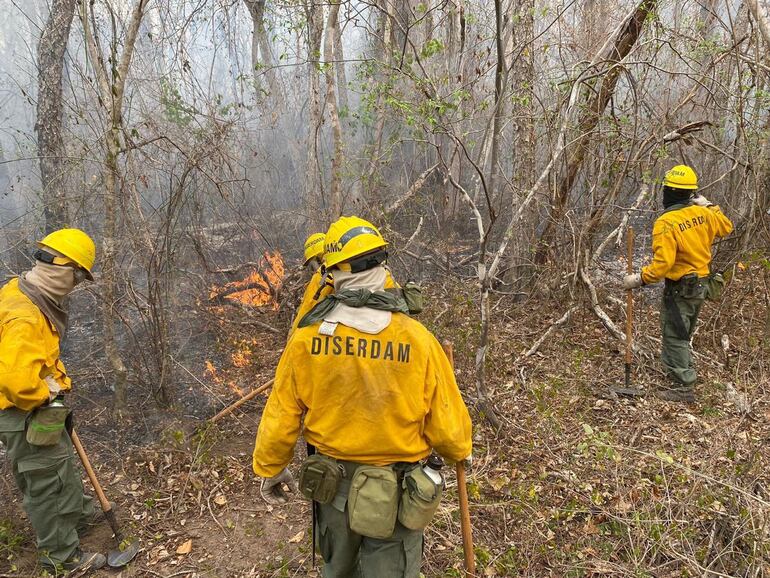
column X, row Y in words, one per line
column 390, row 282
column 280, row 424
column 722, row 225
column 308, row 302
column 21, row 361
column 447, row 424
column 663, row 253
column 60, row 374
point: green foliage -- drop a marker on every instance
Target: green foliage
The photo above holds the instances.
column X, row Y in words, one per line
column 597, row 444
column 174, row 108
column 431, row 48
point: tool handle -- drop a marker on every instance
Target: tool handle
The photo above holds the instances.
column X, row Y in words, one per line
column 465, row 521
column 629, row 299
column 251, row 395
column 103, row 501
column 462, row 493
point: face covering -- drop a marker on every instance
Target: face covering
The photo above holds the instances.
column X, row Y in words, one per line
column 672, row 196
column 363, row 319
column 47, row 287
column 54, row 281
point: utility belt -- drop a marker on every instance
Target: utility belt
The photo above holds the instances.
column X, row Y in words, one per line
column 376, row 496
column 688, row 287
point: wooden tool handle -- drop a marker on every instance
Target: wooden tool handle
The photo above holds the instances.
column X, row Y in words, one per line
column 629, row 295
column 251, row 395
column 465, row 521
column 462, row 493
column 106, row 507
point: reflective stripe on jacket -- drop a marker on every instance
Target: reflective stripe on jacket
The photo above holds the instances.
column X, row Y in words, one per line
column 29, row 351
column 681, row 242
column 372, row 399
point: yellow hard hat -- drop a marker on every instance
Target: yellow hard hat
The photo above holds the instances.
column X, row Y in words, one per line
column 681, row 177
column 314, row 246
column 350, row 237
column 75, row 245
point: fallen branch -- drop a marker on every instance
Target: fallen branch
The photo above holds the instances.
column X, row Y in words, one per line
column 555, row 325
column 416, row 186
column 251, row 395
column 597, row 309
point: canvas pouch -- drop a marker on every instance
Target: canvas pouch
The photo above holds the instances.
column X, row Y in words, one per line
column 45, row 425
column 373, row 502
column 420, row 498
column 319, row 478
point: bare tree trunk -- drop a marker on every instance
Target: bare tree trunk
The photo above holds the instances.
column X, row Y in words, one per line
column 523, row 112
column 595, row 102
column 338, row 159
column 762, row 18
column 50, row 144
column 111, row 90
column 339, row 57
column 261, row 52
column 314, row 197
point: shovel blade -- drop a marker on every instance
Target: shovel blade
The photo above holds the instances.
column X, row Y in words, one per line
column 119, row 558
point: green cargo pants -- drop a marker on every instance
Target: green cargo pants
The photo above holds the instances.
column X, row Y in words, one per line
column 350, row 555
column 51, row 486
column 688, row 296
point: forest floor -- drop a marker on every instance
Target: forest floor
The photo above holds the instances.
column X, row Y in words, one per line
column 573, row 484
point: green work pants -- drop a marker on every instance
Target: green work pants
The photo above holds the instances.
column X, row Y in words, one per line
column 676, row 354
column 51, row 486
column 350, row 555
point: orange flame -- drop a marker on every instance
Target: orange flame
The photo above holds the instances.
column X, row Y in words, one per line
column 259, row 287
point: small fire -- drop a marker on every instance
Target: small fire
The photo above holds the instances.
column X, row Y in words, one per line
column 259, row 287
column 235, row 389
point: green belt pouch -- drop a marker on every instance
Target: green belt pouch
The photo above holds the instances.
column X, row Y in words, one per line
column 715, row 285
column 46, row 424
column 420, row 498
column 373, row 502
column 319, row 478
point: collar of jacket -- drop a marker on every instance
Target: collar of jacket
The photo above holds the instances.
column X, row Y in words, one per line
column 380, row 300
column 675, row 207
column 55, row 313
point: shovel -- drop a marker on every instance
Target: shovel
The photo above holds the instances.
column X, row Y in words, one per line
column 627, row 390
column 462, row 494
column 127, row 550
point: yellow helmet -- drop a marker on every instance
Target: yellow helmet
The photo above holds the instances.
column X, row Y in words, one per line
column 681, row 177
column 314, row 247
column 73, row 244
column 348, row 238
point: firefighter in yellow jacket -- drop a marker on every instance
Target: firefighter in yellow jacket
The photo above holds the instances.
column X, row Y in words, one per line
column 33, row 318
column 681, row 242
column 318, row 287
column 373, row 394
column 321, row 282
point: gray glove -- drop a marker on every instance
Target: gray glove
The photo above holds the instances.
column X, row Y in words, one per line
column 632, row 281
column 272, row 488
column 701, row 201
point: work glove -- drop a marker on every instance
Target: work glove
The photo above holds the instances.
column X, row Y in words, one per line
column 701, row 201
column 272, row 488
column 54, row 387
column 632, row 281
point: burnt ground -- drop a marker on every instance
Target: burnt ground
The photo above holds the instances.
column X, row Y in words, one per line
column 572, row 485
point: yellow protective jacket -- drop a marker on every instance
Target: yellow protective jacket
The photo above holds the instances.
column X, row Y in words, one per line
column 29, row 351
column 374, row 399
column 681, row 242
column 308, row 297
